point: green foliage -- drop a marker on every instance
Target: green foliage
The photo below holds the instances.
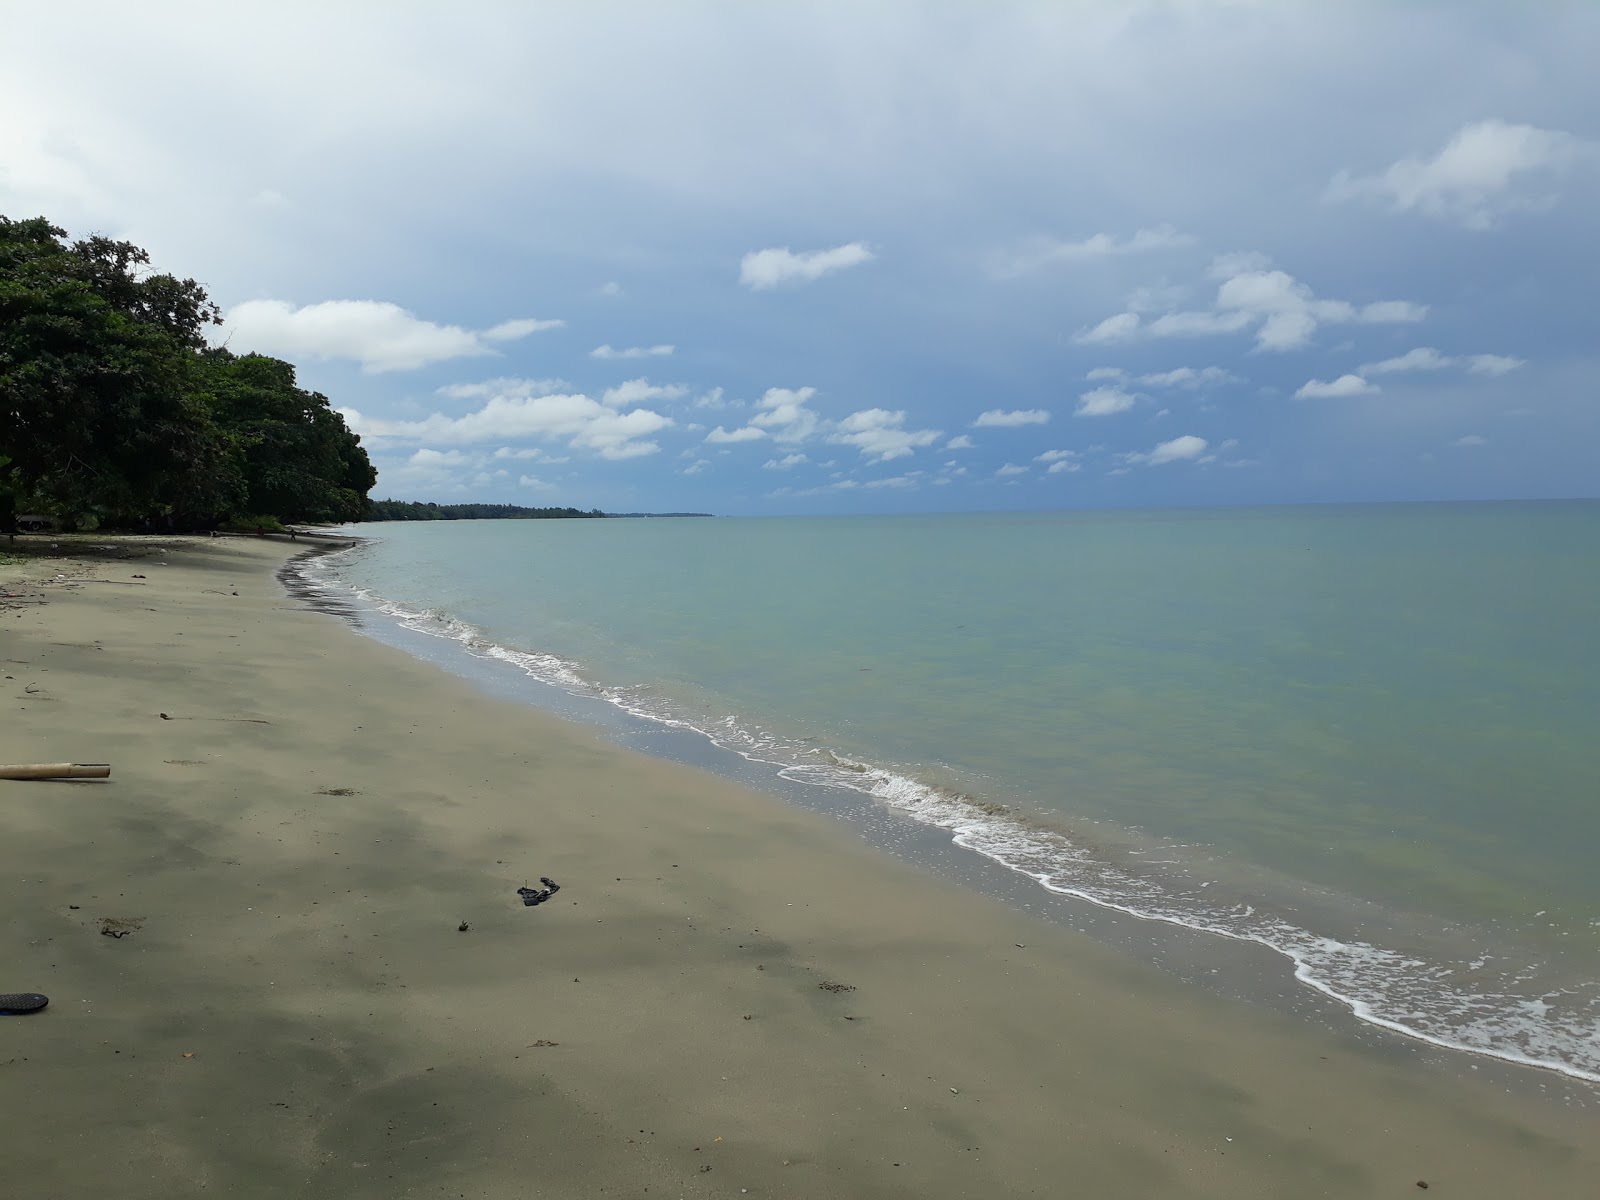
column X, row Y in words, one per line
column 112, row 408
column 404, row 510
column 246, row 524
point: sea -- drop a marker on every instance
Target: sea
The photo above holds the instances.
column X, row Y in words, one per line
column 1366, row 738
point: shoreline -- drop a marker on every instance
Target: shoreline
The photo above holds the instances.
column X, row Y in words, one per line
column 301, row 881
column 1263, row 962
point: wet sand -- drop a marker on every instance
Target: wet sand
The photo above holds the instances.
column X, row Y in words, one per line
column 727, row 997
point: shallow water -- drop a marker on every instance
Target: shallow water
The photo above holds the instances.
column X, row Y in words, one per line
column 1360, row 736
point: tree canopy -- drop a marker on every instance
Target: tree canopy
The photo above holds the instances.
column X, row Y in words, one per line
column 114, row 409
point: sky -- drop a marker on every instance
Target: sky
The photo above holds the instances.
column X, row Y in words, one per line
column 869, row 257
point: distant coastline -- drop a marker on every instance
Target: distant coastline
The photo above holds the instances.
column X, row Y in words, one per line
column 414, row 510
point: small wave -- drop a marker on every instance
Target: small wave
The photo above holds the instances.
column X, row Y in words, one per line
column 1471, row 1007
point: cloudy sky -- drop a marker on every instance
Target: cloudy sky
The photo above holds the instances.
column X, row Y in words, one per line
column 815, row 257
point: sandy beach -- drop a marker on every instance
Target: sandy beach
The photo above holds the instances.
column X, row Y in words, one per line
column 327, row 985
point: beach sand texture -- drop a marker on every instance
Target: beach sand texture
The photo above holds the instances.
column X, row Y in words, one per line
column 727, row 997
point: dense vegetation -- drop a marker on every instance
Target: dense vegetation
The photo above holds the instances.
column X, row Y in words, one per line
column 410, row 510
column 115, row 411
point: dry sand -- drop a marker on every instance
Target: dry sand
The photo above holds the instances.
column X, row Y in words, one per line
column 298, row 1013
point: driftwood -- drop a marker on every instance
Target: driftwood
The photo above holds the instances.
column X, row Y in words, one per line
column 56, row 771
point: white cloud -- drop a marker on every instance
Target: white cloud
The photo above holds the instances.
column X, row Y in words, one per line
column 1197, row 324
column 611, row 288
column 530, row 481
column 528, row 453
column 1188, row 377
column 719, row 435
column 1474, row 178
column 785, row 463
column 1009, row 470
column 512, row 331
column 713, row 399
column 960, row 442
column 880, row 434
column 493, row 387
column 1423, row 358
column 516, row 412
column 762, row 269
column 1119, row 328
column 379, row 335
column 1345, row 385
column 1000, row 419
column 1106, row 373
column 1179, row 449
column 1284, row 312
column 609, row 352
column 637, row 391
column 909, row 479
column 1492, row 364
column 1104, row 402
column 1045, row 250
column 1065, row 465
column 784, row 415
column 1050, row 456
column 1471, row 439
column 1426, row 358
column 696, row 467
column 1238, row 262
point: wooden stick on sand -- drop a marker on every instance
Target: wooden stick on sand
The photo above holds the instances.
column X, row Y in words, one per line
column 56, row 771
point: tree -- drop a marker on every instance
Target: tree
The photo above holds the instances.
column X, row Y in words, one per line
column 113, row 406
column 302, row 463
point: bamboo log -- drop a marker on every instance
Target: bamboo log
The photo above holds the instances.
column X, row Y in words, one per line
column 56, row 771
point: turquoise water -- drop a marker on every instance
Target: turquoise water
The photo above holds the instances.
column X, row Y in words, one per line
column 1363, row 736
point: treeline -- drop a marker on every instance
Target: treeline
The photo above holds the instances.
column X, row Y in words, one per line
column 411, row 510
column 115, row 411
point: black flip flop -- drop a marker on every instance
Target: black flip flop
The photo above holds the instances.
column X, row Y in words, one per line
column 16, row 1003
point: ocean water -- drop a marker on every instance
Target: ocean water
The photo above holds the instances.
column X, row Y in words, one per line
column 1364, row 737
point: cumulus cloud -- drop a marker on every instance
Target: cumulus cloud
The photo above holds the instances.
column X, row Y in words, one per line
column 782, row 412
column 609, row 352
column 881, row 434
column 512, row 331
column 1426, row 358
column 1010, row 469
column 1045, row 250
column 537, row 484
column 379, row 335
column 719, row 435
column 517, row 412
column 637, row 391
column 1471, row 439
column 1492, row 364
column 1477, row 177
column 696, row 467
column 960, row 442
column 1423, row 358
column 1122, row 327
column 493, row 387
column 1179, row 449
column 1106, row 373
column 762, row 269
column 787, row 462
column 1000, row 419
column 1104, row 401
column 1188, row 377
column 1063, row 466
column 1283, row 311
column 1345, row 385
